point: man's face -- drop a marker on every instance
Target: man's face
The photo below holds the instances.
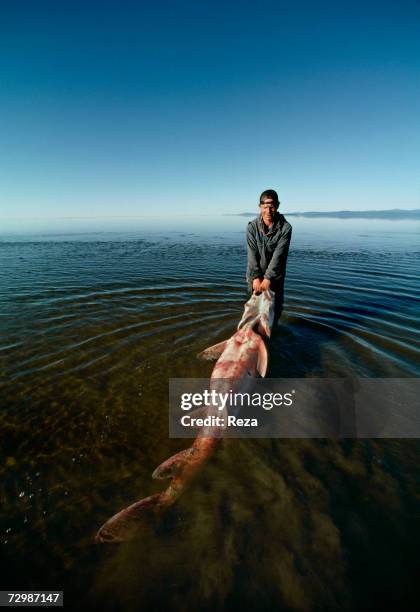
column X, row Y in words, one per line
column 268, row 209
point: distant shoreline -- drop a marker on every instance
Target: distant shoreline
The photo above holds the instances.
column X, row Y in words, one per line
column 394, row 213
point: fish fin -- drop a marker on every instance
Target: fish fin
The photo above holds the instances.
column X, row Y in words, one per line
column 262, row 364
column 170, row 467
column 213, row 352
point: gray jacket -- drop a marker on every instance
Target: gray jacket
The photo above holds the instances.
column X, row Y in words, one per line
column 267, row 253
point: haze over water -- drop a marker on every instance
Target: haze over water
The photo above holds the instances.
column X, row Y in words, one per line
column 97, row 315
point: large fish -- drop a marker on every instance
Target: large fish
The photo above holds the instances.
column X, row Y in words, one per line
column 239, row 359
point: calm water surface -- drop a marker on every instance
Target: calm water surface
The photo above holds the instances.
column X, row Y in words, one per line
column 96, row 317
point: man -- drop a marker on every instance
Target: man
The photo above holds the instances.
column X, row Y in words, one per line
column 268, row 238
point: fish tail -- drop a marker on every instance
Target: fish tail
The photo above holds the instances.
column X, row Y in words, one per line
column 181, row 468
column 127, row 523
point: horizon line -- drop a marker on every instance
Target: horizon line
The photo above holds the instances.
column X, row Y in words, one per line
column 311, row 212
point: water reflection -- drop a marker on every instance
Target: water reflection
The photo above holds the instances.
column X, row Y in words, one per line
column 93, row 327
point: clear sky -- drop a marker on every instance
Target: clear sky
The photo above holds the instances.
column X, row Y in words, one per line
column 132, row 108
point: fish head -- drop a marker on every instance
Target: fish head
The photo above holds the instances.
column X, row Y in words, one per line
column 259, row 313
column 266, row 312
column 250, row 311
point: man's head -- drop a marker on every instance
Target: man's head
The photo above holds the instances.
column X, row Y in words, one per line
column 269, row 203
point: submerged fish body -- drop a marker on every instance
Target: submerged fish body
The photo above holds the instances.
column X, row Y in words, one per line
column 239, row 360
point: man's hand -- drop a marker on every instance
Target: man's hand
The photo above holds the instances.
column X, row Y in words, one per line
column 256, row 285
column 265, row 284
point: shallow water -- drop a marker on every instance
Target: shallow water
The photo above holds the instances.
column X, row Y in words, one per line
column 96, row 319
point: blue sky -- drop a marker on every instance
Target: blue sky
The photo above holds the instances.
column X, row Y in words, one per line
column 138, row 108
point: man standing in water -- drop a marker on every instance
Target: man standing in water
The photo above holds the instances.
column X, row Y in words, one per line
column 268, row 239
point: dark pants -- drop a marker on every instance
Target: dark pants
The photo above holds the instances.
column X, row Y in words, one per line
column 278, row 288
